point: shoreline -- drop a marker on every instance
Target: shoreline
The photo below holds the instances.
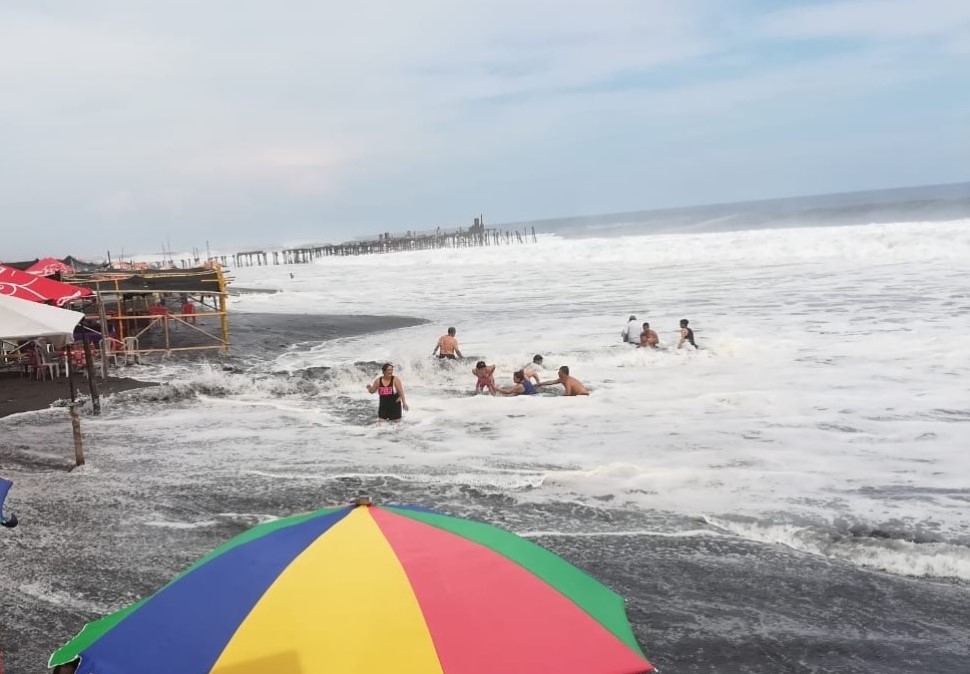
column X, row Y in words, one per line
column 256, row 334
column 19, row 395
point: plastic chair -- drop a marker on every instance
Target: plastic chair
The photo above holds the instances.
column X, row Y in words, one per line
column 113, row 350
column 42, row 365
column 131, row 350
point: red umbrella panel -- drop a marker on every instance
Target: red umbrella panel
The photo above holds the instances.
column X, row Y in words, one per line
column 49, row 266
column 20, row 284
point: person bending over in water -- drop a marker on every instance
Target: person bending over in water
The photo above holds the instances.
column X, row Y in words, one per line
column 532, row 370
column 448, row 346
column 522, row 386
column 629, row 334
column 391, row 392
column 649, row 337
column 686, row 334
column 572, row 386
column 486, row 377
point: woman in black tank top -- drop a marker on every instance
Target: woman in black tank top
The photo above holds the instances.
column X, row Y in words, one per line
column 390, row 389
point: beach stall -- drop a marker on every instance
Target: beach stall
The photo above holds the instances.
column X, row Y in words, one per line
column 145, row 311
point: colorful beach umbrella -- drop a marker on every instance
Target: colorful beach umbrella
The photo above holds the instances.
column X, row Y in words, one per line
column 8, row 521
column 20, row 284
column 367, row 590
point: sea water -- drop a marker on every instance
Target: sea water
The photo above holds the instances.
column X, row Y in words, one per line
column 827, row 408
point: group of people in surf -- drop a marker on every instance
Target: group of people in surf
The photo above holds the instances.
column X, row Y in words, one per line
column 525, row 381
column 393, row 402
column 642, row 335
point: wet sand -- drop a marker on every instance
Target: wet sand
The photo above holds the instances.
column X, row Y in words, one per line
column 20, row 394
column 251, row 335
column 35, row 617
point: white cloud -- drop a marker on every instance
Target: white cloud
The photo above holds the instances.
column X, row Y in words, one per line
column 126, row 109
column 878, row 19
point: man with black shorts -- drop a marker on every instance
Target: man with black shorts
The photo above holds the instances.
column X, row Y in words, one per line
column 447, row 346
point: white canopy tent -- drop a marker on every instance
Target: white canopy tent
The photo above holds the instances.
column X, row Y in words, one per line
column 22, row 319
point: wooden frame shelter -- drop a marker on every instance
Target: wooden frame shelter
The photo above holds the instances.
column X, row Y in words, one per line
column 149, row 311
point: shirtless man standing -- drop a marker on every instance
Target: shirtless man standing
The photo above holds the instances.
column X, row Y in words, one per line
column 572, row 386
column 649, row 337
column 448, row 346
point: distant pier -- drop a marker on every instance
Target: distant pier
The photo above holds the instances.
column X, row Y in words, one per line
column 475, row 236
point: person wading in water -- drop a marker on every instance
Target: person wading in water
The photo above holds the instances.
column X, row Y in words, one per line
column 686, row 334
column 391, row 392
column 448, row 346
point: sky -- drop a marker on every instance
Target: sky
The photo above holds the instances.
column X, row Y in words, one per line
column 132, row 126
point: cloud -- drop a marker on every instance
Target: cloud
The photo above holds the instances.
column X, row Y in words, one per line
column 873, row 19
column 232, row 113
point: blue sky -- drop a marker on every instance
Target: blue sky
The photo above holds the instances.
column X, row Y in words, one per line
column 126, row 123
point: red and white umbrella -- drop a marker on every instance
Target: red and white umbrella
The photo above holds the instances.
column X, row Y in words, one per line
column 20, row 284
column 49, row 266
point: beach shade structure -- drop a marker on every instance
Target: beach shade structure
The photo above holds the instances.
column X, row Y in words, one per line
column 22, row 319
column 20, row 284
column 367, row 589
column 48, row 266
column 8, row 521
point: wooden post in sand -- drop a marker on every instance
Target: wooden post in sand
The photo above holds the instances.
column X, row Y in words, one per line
column 76, row 428
column 105, row 337
column 70, row 377
column 92, row 384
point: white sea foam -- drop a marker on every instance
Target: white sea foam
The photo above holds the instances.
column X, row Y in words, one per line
column 832, row 387
column 833, row 375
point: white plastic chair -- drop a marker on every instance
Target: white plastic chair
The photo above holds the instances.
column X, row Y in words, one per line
column 131, row 350
column 43, row 365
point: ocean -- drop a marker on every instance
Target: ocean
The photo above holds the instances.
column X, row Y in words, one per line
column 791, row 497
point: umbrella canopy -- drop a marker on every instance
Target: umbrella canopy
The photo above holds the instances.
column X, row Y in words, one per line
column 8, row 521
column 16, row 283
column 49, row 266
column 365, row 590
column 21, row 319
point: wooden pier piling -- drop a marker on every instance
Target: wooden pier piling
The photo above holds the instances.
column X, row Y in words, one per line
column 475, row 235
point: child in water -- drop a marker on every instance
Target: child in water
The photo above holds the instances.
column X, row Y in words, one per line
column 486, row 378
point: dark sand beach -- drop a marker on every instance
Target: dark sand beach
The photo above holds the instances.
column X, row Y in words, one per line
column 18, row 394
column 94, row 540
